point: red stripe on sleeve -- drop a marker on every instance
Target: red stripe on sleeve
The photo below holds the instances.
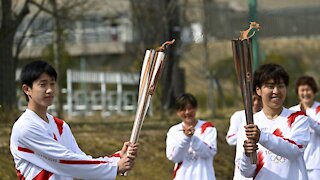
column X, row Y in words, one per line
column 55, row 137
column 317, row 110
column 292, row 142
column 278, row 133
column 115, row 155
column 82, row 162
column 176, row 169
column 43, row 175
column 20, row 176
column 59, row 123
column 293, row 116
column 231, row 135
column 25, row 150
column 205, row 126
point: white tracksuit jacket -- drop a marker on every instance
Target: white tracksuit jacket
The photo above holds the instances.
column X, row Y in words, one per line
column 193, row 156
column 235, row 122
column 44, row 150
column 281, row 146
column 312, row 152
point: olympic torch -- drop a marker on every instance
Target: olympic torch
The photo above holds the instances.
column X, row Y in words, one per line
column 152, row 67
column 242, row 56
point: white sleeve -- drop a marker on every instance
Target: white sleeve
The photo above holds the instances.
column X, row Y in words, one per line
column 289, row 147
column 246, row 168
column 46, row 153
column 69, row 140
column 235, row 121
column 177, row 145
column 243, row 162
column 208, row 146
column 315, row 125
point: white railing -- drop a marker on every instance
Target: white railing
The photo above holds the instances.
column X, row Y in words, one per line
column 90, row 92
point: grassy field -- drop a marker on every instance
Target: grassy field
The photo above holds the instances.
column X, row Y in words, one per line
column 99, row 138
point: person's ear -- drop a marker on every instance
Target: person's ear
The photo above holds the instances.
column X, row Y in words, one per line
column 26, row 89
column 258, row 91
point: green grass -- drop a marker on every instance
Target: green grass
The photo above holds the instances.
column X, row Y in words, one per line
column 99, row 138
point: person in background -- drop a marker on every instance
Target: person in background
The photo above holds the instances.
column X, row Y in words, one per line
column 43, row 146
column 306, row 90
column 280, row 135
column 235, row 121
column 240, row 116
column 191, row 144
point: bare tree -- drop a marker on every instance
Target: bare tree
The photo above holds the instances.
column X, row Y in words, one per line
column 9, row 22
column 156, row 22
column 21, row 41
column 63, row 14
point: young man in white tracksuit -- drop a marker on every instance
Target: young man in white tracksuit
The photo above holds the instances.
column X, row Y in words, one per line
column 306, row 89
column 191, row 144
column 43, row 146
column 278, row 135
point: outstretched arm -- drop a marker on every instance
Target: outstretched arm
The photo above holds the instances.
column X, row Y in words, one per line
column 42, row 150
column 289, row 147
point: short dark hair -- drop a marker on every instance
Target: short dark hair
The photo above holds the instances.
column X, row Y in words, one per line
column 270, row 71
column 306, row 80
column 184, row 99
column 33, row 71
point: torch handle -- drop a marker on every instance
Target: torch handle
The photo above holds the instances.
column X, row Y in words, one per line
column 253, row 157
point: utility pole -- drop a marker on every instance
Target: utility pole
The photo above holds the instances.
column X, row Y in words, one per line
column 255, row 44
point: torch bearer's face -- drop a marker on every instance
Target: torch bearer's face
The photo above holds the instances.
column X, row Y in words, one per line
column 272, row 94
column 187, row 114
column 42, row 92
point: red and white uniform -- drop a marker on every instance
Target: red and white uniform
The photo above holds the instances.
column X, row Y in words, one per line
column 281, row 146
column 44, row 150
column 193, row 156
column 235, row 121
column 312, row 152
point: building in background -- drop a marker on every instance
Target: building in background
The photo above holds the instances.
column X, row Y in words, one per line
column 104, row 38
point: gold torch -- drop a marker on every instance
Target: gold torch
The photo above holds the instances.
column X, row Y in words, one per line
column 242, row 56
column 152, row 67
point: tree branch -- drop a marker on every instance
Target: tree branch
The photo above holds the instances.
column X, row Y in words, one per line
column 19, row 44
column 22, row 14
column 41, row 7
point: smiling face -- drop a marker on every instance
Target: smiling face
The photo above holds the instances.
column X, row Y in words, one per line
column 187, row 114
column 272, row 94
column 306, row 94
column 41, row 93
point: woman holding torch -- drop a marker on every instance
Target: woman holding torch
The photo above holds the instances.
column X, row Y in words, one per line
column 280, row 135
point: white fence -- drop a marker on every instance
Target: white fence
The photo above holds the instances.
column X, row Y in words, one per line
column 90, row 92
